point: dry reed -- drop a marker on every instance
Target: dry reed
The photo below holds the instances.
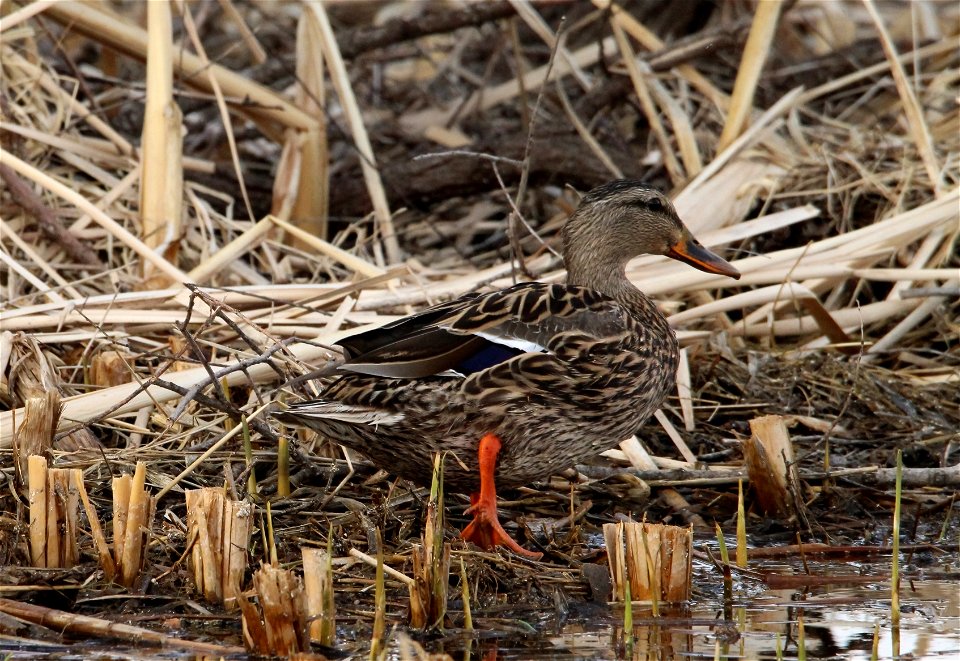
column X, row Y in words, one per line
column 181, row 242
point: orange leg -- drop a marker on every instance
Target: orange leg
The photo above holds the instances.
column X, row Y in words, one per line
column 485, row 530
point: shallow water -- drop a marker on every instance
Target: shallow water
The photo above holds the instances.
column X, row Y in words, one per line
column 839, row 622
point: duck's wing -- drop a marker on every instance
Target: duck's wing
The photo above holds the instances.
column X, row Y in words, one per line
column 478, row 331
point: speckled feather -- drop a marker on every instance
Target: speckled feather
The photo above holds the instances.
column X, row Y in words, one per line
column 596, row 358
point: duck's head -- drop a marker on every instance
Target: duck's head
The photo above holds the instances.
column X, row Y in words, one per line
column 621, row 220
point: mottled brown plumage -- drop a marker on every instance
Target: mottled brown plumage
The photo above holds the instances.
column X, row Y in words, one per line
column 558, row 373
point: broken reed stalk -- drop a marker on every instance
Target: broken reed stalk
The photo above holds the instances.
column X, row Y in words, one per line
column 220, row 531
column 133, row 510
column 431, row 561
column 768, row 454
column 276, row 624
column 353, row 116
column 318, row 584
column 657, row 558
column 41, row 416
column 110, row 368
column 755, row 53
column 161, row 162
column 96, row 531
column 270, row 540
column 652, row 575
column 248, row 456
column 64, row 507
column 946, row 519
column 84, row 626
column 302, row 181
column 37, row 498
column 54, row 499
column 627, row 613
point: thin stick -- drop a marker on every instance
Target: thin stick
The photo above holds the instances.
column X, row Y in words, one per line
column 755, row 54
column 259, row 101
column 368, row 163
column 102, row 219
column 363, row 557
column 911, row 108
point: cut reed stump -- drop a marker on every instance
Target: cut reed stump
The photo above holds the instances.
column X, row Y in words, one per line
column 133, row 510
column 653, row 558
column 54, row 497
column 769, row 458
column 219, row 531
column 110, row 368
column 321, row 606
column 276, row 623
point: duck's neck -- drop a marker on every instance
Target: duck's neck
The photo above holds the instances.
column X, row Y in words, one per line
column 610, row 278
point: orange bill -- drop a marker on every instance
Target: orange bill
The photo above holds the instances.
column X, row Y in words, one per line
column 689, row 250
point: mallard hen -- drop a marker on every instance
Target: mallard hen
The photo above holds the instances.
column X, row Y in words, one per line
column 526, row 381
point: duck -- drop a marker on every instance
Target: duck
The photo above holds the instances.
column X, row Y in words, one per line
column 514, row 385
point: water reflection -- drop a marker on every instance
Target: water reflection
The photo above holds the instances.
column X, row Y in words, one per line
column 839, row 623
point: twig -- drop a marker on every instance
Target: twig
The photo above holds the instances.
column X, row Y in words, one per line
column 359, row 41
column 48, row 222
column 214, row 379
column 63, row 622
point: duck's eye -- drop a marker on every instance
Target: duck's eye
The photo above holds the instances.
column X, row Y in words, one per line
column 655, row 204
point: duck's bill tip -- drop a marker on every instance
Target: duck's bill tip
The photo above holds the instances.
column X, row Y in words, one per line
column 692, row 253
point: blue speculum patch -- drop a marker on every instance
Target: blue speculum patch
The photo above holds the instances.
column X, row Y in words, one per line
column 489, row 355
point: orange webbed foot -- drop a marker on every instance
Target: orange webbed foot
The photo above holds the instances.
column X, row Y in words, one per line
column 485, row 530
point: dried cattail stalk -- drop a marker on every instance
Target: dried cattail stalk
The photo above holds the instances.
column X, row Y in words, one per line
column 219, row 530
column 132, row 522
column 655, row 559
column 54, row 497
column 41, row 415
column 318, row 584
column 768, row 454
column 276, row 625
